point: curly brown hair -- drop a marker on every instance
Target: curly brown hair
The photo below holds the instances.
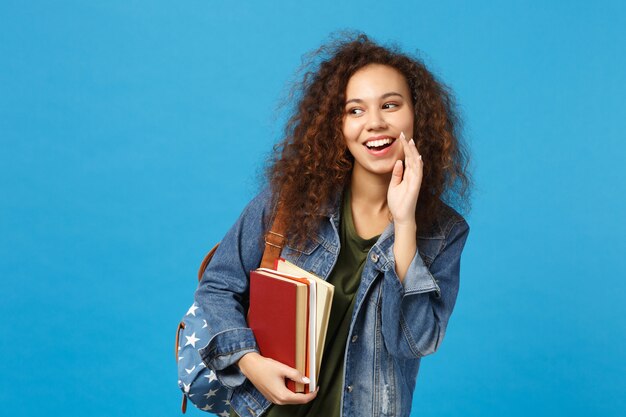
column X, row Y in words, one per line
column 312, row 164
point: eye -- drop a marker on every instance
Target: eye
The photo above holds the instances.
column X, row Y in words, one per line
column 355, row 111
column 390, row 105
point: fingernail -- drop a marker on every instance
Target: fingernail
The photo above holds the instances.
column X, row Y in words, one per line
column 412, row 141
column 305, row 380
column 402, row 135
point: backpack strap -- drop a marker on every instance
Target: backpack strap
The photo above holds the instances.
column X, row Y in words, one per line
column 205, row 261
column 274, row 242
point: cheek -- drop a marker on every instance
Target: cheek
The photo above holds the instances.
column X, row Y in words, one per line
column 350, row 128
column 409, row 123
column 405, row 120
column 344, row 127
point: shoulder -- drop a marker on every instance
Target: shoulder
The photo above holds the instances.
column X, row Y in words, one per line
column 257, row 210
column 446, row 219
column 252, row 223
column 448, row 230
column 263, row 202
column 263, row 196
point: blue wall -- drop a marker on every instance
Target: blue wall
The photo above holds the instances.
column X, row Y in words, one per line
column 133, row 132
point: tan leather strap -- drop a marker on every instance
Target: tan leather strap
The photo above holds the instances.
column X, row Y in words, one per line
column 274, row 240
column 273, row 245
column 205, row 261
column 183, row 404
column 181, row 326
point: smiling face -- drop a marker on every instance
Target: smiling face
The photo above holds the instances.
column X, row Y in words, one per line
column 378, row 108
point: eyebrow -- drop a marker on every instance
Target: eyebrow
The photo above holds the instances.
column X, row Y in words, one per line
column 384, row 96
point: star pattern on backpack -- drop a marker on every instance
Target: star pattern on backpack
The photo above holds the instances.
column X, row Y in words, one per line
column 197, row 382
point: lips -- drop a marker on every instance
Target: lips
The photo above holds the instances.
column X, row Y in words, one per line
column 379, row 145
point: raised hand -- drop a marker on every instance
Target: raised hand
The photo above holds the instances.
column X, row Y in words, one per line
column 405, row 184
column 268, row 376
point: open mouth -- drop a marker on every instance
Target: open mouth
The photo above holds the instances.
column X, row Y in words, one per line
column 379, row 144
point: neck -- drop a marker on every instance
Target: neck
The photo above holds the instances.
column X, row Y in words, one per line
column 369, row 190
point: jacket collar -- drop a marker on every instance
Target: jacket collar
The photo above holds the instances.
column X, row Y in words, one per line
column 332, row 210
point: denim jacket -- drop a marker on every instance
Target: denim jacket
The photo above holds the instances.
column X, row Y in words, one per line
column 393, row 324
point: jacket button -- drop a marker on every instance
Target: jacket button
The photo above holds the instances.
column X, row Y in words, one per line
column 374, row 257
column 349, row 388
column 354, row 338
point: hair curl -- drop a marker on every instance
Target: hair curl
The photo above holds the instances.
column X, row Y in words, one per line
column 312, row 164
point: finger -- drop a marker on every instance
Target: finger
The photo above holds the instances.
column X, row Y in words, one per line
column 415, row 152
column 412, row 150
column 409, row 159
column 294, row 374
column 284, row 395
column 405, row 147
column 304, row 398
column 396, row 174
column 415, row 162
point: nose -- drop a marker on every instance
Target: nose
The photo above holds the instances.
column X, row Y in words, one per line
column 376, row 121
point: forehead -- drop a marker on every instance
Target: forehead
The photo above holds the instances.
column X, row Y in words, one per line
column 374, row 80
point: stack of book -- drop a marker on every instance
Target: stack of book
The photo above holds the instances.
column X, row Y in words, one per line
column 289, row 312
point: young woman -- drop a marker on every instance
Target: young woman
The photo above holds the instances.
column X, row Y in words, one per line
column 369, row 157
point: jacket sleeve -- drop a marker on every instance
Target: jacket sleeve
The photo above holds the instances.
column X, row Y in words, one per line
column 223, row 293
column 415, row 312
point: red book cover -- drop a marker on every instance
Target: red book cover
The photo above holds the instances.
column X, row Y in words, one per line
column 275, row 315
column 305, row 282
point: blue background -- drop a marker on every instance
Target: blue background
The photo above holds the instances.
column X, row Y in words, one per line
column 133, row 133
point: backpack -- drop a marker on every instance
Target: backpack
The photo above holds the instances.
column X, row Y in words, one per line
column 198, row 383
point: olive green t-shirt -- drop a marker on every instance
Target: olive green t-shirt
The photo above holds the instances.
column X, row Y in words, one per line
column 346, row 277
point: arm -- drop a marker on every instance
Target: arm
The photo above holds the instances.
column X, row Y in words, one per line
column 232, row 351
column 222, row 293
column 402, row 198
column 417, row 301
column 415, row 311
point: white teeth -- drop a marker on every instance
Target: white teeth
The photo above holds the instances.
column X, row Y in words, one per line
column 377, row 143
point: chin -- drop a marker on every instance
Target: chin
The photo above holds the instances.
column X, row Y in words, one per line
column 381, row 170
